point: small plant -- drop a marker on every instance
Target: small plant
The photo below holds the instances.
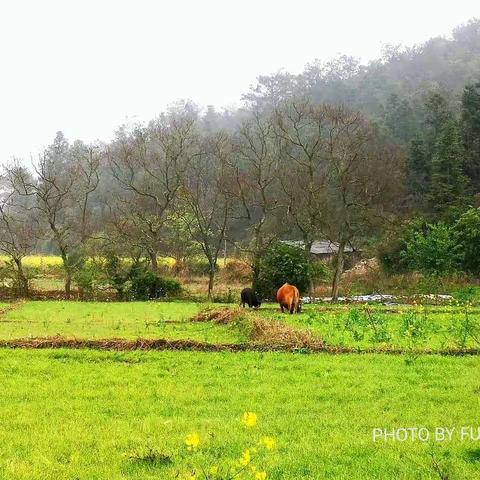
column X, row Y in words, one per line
column 245, row 467
column 440, row 468
column 150, row 455
column 414, row 329
column 360, row 323
column 378, row 326
column 355, row 324
column 465, row 329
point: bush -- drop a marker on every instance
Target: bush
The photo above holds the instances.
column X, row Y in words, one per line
column 90, row 277
column 390, row 251
column 433, row 252
column 137, row 282
column 236, row 271
column 146, row 285
column 467, row 231
column 286, row 263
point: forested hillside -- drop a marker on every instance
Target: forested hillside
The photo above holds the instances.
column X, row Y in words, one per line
column 343, row 151
column 393, row 88
column 427, row 96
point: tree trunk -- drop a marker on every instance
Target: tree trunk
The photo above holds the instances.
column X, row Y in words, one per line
column 153, row 261
column 211, row 278
column 338, row 270
column 22, row 279
column 68, row 274
column 255, row 273
column 309, row 257
column 68, row 285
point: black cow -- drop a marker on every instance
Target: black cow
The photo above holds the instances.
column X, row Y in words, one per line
column 249, row 297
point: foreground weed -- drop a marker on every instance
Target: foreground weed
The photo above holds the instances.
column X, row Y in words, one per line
column 465, row 329
column 245, row 467
column 149, row 455
column 360, row 323
column 415, row 329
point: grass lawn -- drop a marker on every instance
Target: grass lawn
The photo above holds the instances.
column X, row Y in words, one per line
column 75, row 414
column 115, row 319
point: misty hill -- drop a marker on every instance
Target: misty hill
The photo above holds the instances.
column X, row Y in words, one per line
column 392, row 89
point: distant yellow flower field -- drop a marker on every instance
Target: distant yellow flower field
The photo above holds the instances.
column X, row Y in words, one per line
column 37, row 260
column 56, row 260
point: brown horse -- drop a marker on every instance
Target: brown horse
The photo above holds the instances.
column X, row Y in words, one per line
column 288, row 297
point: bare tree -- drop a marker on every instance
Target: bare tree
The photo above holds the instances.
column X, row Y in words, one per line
column 365, row 174
column 149, row 163
column 256, row 188
column 207, row 199
column 65, row 177
column 300, row 131
column 19, row 230
column 339, row 174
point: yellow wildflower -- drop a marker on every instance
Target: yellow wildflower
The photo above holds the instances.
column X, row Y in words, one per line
column 192, row 441
column 249, row 419
column 268, row 443
column 260, row 475
column 213, row 470
column 246, row 458
column 192, row 476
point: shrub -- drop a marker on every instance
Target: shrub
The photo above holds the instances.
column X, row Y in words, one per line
column 467, row 230
column 90, row 277
column 146, row 285
column 434, row 251
column 117, row 273
column 390, row 252
column 169, row 287
column 137, row 282
column 236, row 271
column 286, row 263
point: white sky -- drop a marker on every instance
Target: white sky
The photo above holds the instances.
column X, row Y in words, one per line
column 85, row 66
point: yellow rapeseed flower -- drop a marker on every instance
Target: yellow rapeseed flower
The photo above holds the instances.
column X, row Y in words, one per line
column 268, row 443
column 192, row 476
column 213, row 470
column 246, row 458
column 249, row 419
column 192, row 441
column 260, row 475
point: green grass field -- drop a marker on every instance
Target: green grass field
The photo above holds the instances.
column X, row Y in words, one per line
column 86, row 414
column 75, row 414
column 113, row 320
column 376, row 325
column 373, row 326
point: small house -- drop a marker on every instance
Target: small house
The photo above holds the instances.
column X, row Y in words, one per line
column 324, row 250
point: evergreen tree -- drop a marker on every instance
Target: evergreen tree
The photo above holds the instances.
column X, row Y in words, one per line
column 399, row 118
column 437, row 113
column 422, row 149
column 471, row 133
column 418, row 169
column 448, row 182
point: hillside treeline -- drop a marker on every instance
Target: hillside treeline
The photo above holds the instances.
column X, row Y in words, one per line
column 343, row 152
column 175, row 186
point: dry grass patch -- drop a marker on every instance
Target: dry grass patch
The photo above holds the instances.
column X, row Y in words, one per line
column 275, row 334
column 263, row 332
column 222, row 316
